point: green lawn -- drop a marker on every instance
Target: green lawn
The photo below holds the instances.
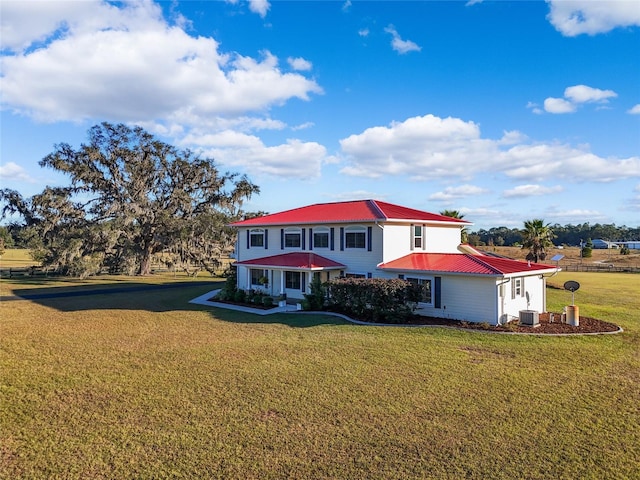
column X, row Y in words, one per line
column 144, row 385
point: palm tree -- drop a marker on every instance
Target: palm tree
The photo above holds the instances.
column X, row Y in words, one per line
column 536, row 236
column 464, row 236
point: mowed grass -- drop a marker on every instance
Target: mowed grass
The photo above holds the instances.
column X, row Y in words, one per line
column 144, row 385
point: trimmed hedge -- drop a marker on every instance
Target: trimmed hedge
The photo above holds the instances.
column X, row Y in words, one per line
column 375, row 300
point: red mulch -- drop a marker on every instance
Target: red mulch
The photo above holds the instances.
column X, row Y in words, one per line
column 585, row 325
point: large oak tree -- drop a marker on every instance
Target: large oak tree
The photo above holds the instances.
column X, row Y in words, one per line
column 132, row 195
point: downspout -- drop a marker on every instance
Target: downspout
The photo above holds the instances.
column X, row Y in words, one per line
column 502, row 297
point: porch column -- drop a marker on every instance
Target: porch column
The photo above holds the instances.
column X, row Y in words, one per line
column 281, row 282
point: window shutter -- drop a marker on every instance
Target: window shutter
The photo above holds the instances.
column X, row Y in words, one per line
column 513, row 288
column 438, row 292
column 311, row 239
column 282, row 239
column 304, row 238
column 369, row 239
column 248, row 239
column 303, row 276
column 522, row 294
column 331, row 234
column 412, row 236
column 369, row 275
column 341, row 238
column 266, row 239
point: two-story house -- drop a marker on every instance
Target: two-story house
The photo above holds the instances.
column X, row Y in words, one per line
column 281, row 252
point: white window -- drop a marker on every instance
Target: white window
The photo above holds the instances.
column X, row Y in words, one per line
column 292, row 280
column 517, row 287
column 321, row 238
column 425, row 283
column 292, row 238
column 355, row 275
column 258, row 276
column 256, row 238
column 355, row 237
column 417, row 236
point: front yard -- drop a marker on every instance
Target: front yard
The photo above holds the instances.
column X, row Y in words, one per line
column 147, row 386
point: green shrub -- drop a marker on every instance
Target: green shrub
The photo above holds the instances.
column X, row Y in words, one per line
column 267, row 301
column 239, row 296
column 374, row 300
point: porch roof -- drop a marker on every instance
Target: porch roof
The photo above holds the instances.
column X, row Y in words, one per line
column 294, row 261
column 465, row 264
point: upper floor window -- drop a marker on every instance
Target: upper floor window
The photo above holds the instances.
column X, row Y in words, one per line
column 256, row 238
column 355, row 237
column 321, row 238
column 417, row 232
column 292, row 238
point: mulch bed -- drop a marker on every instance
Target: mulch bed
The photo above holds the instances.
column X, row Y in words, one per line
column 586, row 325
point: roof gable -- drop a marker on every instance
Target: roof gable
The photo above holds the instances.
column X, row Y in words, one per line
column 347, row 212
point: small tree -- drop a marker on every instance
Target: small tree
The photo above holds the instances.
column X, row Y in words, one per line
column 624, row 250
column 587, row 249
column 314, row 300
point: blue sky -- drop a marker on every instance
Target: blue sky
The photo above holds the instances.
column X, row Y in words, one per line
column 505, row 111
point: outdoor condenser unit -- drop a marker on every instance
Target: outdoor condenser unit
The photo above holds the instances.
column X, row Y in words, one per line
column 529, row 318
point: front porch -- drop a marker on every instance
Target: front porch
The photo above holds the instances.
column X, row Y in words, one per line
column 287, row 275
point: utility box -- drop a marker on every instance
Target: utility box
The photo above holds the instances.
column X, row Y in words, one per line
column 530, row 318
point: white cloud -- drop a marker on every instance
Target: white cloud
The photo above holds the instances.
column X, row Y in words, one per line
column 303, row 126
column 399, row 45
column 584, row 94
column 299, row 63
column 132, row 66
column 429, row 147
column 512, row 137
column 576, row 17
column 574, row 96
column 574, row 215
column 14, row 172
column 261, row 7
column 363, row 32
column 558, row 105
column 472, row 2
column 453, row 193
column 346, row 6
column 531, row 191
column 635, row 110
column 236, row 149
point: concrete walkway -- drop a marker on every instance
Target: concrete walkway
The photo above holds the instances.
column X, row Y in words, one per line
column 205, row 300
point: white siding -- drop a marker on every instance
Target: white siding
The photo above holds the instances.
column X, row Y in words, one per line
column 472, row 299
column 442, row 239
column 534, row 286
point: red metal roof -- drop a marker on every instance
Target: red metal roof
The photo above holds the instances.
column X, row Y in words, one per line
column 464, row 264
column 341, row 212
column 296, row 260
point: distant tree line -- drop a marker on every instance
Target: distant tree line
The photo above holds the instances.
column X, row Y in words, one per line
column 569, row 234
column 130, row 197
